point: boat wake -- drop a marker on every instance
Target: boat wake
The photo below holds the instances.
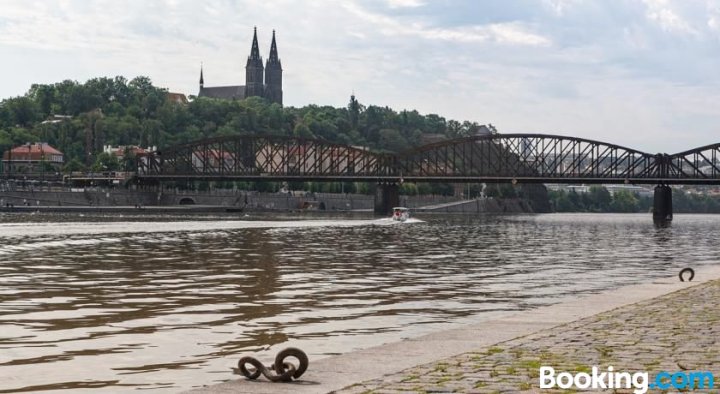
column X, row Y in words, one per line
column 23, row 230
column 391, row 221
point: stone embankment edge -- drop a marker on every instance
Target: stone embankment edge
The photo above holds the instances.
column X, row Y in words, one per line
column 334, row 373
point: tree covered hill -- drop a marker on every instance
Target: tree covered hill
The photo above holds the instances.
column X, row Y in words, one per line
column 122, row 112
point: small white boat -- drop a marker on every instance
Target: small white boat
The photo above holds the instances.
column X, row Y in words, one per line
column 400, row 214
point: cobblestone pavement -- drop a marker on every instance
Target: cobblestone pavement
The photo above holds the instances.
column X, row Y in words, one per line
column 678, row 331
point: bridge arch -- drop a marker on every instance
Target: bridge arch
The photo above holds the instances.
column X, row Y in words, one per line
column 186, row 201
column 526, row 158
column 701, row 163
column 265, row 157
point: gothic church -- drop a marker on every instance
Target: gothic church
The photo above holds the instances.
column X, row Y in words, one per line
column 263, row 82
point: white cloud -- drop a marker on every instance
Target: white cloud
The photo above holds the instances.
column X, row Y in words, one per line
column 405, row 3
column 559, row 7
column 574, row 67
column 713, row 10
column 661, row 12
column 714, row 23
column 503, row 33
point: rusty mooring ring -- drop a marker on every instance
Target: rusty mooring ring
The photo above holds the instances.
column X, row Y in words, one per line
column 284, row 371
column 682, row 271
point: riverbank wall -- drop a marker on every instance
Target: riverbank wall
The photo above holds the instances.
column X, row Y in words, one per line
column 248, row 200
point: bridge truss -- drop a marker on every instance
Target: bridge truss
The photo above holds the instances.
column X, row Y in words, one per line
column 525, row 158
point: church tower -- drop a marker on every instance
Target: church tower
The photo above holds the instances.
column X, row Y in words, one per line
column 202, row 80
column 273, row 75
column 254, row 71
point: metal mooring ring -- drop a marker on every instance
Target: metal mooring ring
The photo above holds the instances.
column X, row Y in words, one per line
column 255, row 363
column 682, row 271
column 283, row 371
column 292, row 352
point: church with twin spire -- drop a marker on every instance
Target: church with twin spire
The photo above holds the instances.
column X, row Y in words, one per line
column 259, row 81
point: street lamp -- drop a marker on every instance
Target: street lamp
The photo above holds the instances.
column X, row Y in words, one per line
column 29, row 160
column 9, row 163
column 42, row 166
column 29, row 157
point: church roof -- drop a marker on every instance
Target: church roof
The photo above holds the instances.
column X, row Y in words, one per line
column 223, row 92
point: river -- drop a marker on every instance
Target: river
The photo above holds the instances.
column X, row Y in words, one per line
column 166, row 303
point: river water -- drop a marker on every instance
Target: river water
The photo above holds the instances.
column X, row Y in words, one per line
column 167, row 303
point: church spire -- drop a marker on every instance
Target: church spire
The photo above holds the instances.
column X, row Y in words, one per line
column 273, row 50
column 202, row 80
column 254, row 71
column 273, row 75
column 255, row 50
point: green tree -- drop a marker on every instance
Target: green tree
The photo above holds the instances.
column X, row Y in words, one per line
column 600, row 198
column 106, row 162
column 23, row 111
column 129, row 160
column 392, row 140
column 73, row 165
column 624, row 201
column 354, row 109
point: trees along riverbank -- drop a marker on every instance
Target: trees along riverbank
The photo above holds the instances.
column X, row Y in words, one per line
column 119, row 112
column 599, row 199
column 123, row 112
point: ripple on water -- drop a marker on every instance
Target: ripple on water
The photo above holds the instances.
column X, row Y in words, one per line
column 126, row 303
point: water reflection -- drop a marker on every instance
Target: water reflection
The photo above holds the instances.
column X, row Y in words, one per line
column 171, row 304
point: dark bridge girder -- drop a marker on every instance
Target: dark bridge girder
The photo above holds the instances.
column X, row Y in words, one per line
column 492, row 158
column 524, row 158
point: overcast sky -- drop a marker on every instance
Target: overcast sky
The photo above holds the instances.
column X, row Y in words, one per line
column 640, row 73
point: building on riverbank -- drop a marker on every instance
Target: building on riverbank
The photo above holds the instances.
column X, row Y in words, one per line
column 32, row 158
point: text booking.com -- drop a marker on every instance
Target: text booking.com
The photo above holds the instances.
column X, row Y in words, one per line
column 641, row 382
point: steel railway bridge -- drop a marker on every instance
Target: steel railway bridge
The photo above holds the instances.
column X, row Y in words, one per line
column 516, row 158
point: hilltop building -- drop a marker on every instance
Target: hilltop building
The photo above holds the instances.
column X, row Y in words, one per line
column 259, row 81
column 177, row 98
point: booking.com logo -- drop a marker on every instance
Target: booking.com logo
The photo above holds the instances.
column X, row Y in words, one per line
column 640, row 381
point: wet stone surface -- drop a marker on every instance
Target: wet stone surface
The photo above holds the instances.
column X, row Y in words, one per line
column 675, row 332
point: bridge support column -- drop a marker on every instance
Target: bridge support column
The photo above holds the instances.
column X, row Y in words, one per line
column 387, row 196
column 662, row 207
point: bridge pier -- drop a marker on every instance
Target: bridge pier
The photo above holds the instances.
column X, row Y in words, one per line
column 387, row 196
column 662, row 206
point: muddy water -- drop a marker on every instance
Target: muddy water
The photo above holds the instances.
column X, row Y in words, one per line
column 164, row 303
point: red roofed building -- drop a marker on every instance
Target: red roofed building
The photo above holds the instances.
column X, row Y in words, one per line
column 30, row 158
column 177, row 98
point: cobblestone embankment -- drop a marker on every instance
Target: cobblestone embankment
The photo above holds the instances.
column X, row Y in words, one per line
column 676, row 332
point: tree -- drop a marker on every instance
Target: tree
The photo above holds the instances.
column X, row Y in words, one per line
column 6, row 141
column 106, row 162
column 119, row 112
column 129, row 160
column 302, row 131
column 354, row 109
column 23, row 111
column 600, row 198
column 454, row 129
column 390, row 139
column 73, row 166
column 624, row 201
column 43, row 95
